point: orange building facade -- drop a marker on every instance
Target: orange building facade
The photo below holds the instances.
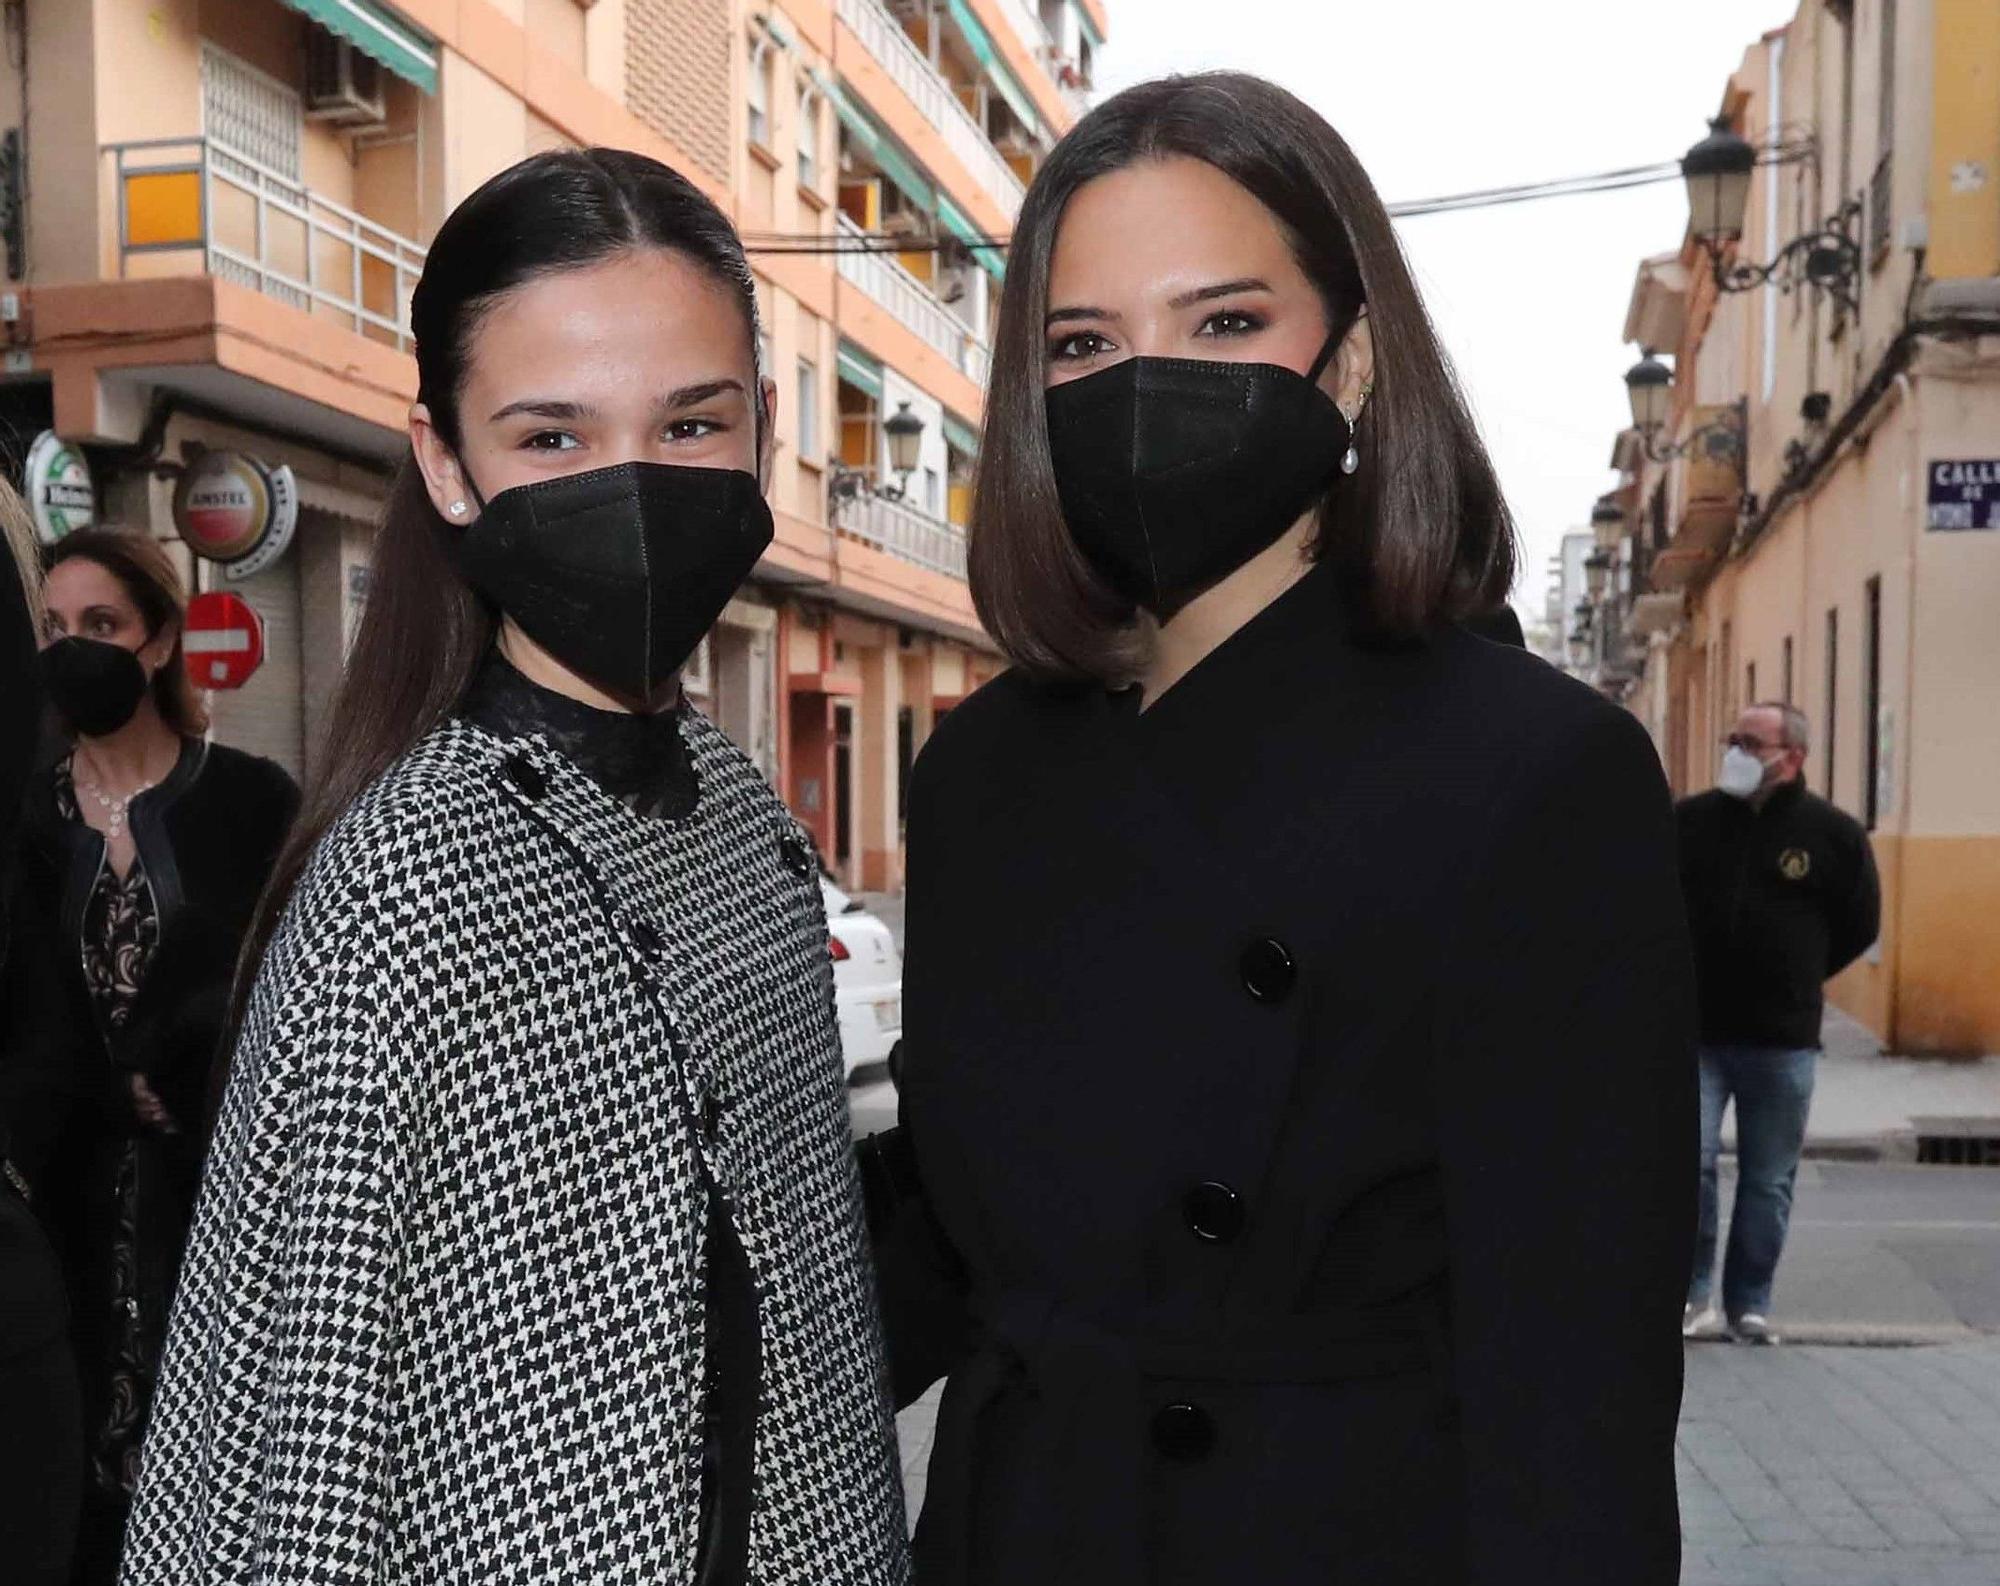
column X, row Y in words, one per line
column 220, row 206
column 1843, row 553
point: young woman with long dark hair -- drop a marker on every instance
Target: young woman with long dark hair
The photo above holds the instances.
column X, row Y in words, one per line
column 530, row 1249
column 1298, row 1026
column 143, row 852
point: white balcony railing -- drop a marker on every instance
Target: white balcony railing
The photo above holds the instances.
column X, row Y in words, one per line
column 898, row 55
column 912, row 303
column 903, row 530
column 264, row 231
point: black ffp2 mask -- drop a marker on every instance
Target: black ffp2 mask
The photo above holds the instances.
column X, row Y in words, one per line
column 1174, row 472
column 95, row 685
column 618, row 572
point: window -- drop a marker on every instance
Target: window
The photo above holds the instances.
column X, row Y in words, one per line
column 808, row 411
column 1787, row 696
column 759, row 89
column 1881, row 187
column 1750, row 684
column 808, row 133
column 1871, row 705
column 1832, row 690
column 933, row 499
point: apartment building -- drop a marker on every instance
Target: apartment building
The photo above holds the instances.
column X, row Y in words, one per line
column 1816, row 518
column 213, row 213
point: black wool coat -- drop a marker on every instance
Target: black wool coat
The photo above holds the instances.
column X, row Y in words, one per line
column 1300, row 1083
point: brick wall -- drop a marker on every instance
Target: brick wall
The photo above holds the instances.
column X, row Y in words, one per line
column 677, row 56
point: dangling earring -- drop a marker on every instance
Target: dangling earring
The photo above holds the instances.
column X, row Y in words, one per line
column 1351, row 460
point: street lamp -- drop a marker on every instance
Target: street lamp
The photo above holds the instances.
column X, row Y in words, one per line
column 1597, row 573
column 1717, row 171
column 1649, row 384
column 1606, row 517
column 906, row 432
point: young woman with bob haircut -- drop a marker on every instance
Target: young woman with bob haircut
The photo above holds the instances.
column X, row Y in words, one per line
column 530, row 1252
column 1298, row 1071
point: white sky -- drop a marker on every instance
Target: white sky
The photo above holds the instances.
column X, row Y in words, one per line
column 1442, row 96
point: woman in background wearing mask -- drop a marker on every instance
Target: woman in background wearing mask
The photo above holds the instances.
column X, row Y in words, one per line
column 41, row 1457
column 1299, row 1064
column 530, row 1249
column 142, row 854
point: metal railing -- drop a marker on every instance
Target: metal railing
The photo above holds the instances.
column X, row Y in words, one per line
column 902, row 530
column 912, row 303
column 277, row 236
column 897, row 53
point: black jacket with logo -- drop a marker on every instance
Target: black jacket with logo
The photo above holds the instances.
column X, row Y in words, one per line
column 1781, row 898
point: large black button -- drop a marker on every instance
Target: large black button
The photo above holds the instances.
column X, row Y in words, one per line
column 1268, row 970
column 646, row 936
column 525, row 775
column 798, row 859
column 1184, row 1432
column 1214, row 1211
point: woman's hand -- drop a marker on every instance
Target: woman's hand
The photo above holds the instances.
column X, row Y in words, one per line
column 150, row 1108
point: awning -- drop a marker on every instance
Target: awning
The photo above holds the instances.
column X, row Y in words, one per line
column 960, row 436
column 981, row 43
column 885, row 151
column 377, row 31
column 859, row 370
column 991, row 257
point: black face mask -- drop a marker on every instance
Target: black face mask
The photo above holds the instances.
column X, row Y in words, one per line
column 1174, row 472
column 97, row 686
column 618, row 572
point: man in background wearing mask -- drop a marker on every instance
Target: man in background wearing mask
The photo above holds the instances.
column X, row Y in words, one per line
column 1782, row 895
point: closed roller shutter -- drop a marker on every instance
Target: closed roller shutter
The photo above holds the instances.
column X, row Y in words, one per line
column 266, row 715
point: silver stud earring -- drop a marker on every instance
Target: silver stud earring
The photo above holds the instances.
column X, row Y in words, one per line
column 458, row 509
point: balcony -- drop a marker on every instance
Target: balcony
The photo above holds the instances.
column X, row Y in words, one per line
column 1709, row 492
column 263, row 231
column 912, row 304
column 894, row 51
column 902, row 530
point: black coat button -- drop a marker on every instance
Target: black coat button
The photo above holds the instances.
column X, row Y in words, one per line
column 525, row 775
column 1214, row 1211
column 645, row 936
column 798, row 859
column 1184, row 1432
column 711, row 1119
column 1268, row 970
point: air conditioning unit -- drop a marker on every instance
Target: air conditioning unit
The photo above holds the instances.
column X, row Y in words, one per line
column 343, row 86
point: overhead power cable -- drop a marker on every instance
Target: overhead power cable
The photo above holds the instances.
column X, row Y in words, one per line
column 816, row 243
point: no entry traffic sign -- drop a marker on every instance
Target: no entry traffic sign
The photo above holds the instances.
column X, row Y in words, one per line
column 224, row 640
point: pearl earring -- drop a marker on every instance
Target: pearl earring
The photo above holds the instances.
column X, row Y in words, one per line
column 1351, row 460
column 458, row 509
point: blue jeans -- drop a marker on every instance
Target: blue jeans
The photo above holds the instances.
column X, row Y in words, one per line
column 1773, row 1089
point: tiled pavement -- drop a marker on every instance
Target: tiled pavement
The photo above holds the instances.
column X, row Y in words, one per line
column 1842, row 1467
column 1813, row 1467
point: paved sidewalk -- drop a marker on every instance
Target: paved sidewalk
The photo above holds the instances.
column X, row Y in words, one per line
column 1865, row 1101
column 1842, row 1467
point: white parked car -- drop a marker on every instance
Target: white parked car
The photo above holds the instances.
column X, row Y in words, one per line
column 867, row 983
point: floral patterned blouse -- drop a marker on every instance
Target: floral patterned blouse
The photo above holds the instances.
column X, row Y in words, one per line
column 121, row 926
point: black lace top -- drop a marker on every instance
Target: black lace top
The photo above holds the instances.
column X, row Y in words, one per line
column 643, row 761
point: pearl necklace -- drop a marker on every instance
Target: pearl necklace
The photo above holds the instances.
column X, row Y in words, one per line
column 115, row 808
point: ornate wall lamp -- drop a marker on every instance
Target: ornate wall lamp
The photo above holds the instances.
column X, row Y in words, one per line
column 1650, row 385
column 1717, row 171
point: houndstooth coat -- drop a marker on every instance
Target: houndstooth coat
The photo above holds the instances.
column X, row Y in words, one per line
column 441, row 1322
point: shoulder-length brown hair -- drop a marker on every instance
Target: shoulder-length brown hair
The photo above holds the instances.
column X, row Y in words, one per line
column 153, row 583
column 1421, row 526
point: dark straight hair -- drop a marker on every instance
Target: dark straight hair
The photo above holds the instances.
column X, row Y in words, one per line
column 1421, row 526
column 147, row 574
column 424, row 630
